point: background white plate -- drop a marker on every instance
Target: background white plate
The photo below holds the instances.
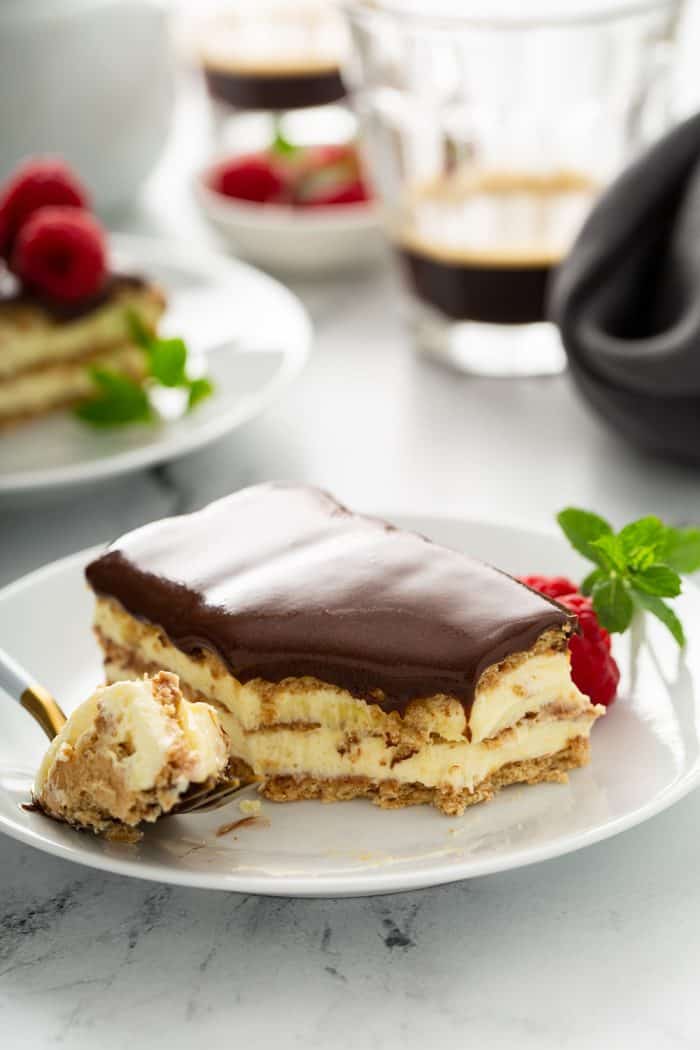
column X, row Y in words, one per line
column 253, row 332
column 645, row 757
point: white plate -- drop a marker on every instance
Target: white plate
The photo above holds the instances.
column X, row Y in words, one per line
column 254, row 334
column 645, row 757
column 300, row 240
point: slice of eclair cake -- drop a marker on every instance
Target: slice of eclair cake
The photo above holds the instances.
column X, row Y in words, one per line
column 346, row 657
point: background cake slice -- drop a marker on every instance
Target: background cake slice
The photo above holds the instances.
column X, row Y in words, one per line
column 45, row 352
column 346, row 657
column 64, row 310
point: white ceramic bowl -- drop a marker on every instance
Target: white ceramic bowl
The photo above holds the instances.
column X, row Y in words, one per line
column 284, row 238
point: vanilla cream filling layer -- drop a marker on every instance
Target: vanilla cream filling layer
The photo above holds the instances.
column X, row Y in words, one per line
column 324, row 754
column 44, row 388
column 205, row 746
column 29, row 337
column 303, row 726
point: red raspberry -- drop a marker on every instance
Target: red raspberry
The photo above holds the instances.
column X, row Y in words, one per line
column 60, row 253
column 351, row 193
column 252, row 178
column 39, row 182
column 593, row 667
column 551, row 586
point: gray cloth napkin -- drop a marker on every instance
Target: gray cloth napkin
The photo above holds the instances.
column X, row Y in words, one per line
column 627, row 298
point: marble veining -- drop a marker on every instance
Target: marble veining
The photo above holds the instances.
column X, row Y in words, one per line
column 497, row 957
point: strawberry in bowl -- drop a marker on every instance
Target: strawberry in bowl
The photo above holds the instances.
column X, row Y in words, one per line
column 298, row 177
column 293, row 208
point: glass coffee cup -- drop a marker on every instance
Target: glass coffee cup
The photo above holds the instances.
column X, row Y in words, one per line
column 488, row 132
column 273, row 67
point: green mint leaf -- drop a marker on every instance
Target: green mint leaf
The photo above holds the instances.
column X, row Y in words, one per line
column 663, row 612
column 282, row 146
column 642, row 540
column 582, row 528
column 640, row 566
column 138, row 331
column 613, row 604
column 199, row 390
column 643, row 558
column 682, row 549
column 591, row 580
column 167, row 360
column 658, row 580
column 120, row 400
column 610, row 553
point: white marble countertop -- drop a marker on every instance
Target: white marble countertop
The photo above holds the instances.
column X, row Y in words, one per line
column 596, row 949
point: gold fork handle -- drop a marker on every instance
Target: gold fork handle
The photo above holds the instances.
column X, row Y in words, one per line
column 43, row 709
column 31, row 696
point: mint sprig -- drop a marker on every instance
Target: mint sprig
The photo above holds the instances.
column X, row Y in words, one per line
column 121, row 400
column 635, row 568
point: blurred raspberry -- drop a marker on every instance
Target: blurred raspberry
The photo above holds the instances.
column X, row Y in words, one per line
column 315, row 176
column 39, row 182
column 253, row 178
column 60, row 254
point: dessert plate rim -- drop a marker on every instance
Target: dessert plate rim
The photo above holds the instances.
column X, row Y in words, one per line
column 201, row 261
column 34, row 830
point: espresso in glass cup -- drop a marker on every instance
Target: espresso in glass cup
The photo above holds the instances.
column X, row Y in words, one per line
column 489, row 130
column 273, row 54
column 272, row 65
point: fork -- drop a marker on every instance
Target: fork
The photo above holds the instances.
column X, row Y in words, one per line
column 40, row 704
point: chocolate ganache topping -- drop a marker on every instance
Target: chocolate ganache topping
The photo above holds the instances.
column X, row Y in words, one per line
column 59, row 312
column 282, row 581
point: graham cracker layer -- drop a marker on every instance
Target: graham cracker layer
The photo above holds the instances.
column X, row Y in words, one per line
column 123, row 357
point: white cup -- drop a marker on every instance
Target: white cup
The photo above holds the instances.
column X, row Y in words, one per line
column 91, row 80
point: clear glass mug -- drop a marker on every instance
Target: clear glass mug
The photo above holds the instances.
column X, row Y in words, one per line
column 488, row 134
